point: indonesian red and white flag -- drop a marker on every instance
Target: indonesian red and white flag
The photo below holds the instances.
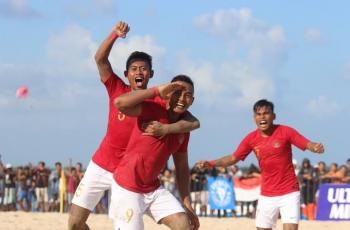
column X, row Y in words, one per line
column 247, row 189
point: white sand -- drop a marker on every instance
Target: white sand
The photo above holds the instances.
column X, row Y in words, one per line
column 56, row 221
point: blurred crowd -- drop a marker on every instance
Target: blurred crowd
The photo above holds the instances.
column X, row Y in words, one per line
column 38, row 188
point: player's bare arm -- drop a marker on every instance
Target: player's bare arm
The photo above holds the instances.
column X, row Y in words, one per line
column 130, row 103
column 101, row 56
column 188, row 124
column 315, row 147
column 221, row 162
column 183, row 181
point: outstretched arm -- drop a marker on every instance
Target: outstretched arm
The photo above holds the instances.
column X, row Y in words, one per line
column 130, row 103
column 221, row 162
column 315, row 147
column 101, row 56
column 183, row 182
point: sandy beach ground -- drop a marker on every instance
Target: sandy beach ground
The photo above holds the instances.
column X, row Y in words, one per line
column 56, row 221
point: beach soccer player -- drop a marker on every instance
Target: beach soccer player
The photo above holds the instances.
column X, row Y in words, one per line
column 136, row 190
column 99, row 174
column 272, row 145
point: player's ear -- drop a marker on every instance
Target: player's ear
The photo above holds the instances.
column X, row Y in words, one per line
column 274, row 116
column 126, row 73
column 151, row 73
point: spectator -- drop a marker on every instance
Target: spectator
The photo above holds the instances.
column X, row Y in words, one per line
column 168, row 180
column 307, row 189
column 2, row 183
column 73, row 181
column 23, row 197
column 332, row 172
column 41, row 178
column 340, row 175
column 195, row 188
column 10, row 189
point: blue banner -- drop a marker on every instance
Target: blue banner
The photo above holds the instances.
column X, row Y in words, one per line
column 333, row 202
column 221, row 194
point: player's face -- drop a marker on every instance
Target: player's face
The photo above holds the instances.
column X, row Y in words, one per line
column 181, row 100
column 264, row 118
column 138, row 74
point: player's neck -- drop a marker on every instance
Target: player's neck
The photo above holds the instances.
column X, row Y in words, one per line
column 173, row 117
column 268, row 132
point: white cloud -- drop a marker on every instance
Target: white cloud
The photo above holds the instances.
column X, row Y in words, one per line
column 314, row 36
column 322, row 107
column 240, row 80
column 71, row 52
column 17, row 8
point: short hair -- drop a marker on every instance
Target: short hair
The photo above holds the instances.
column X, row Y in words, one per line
column 184, row 78
column 138, row 55
column 263, row 103
column 58, row 163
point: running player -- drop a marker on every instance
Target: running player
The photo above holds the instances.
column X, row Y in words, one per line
column 136, row 189
column 272, row 145
column 99, row 174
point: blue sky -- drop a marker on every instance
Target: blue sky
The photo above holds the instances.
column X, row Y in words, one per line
column 295, row 53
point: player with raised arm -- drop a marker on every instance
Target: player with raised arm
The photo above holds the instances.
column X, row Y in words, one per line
column 99, row 174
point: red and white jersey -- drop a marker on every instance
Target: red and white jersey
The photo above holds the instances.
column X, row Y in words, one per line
column 119, row 128
column 274, row 154
column 146, row 156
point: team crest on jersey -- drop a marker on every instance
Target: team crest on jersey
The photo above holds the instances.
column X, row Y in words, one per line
column 121, row 116
column 276, row 145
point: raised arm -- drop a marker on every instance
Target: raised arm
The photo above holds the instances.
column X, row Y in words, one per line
column 183, row 182
column 130, row 103
column 101, row 56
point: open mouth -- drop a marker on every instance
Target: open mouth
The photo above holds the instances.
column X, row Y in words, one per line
column 139, row 81
column 263, row 123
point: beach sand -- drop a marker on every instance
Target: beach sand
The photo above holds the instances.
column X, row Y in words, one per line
column 57, row 221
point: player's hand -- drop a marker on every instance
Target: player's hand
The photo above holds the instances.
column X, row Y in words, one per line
column 155, row 128
column 166, row 90
column 202, row 164
column 121, row 29
column 193, row 218
column 318, row 148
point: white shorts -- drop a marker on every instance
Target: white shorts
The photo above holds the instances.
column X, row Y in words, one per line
column 127, row 208
column 269, row 207
column 42, row 194
column 95, row 182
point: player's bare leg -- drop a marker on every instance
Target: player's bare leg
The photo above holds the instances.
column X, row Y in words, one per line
column 77, row 218
column 290, row 226
column 177, row 221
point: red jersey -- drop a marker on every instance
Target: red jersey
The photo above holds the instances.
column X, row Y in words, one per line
column 146, row 156
column 274, row 154
column 119, row 128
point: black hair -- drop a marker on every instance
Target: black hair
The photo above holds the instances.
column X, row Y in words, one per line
column 263, row 103
column 184, row 78
column 58, row 163
column 138, row 55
